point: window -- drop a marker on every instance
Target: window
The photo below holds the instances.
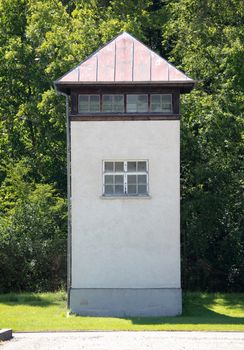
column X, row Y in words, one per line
column 89, row 103
column 161, row 103
column 113, row 103
column 137, row 103
column 125, row 178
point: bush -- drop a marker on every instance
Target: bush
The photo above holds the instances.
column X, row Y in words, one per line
column 33, row 239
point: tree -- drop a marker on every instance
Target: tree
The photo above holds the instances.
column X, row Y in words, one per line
column 40, row 41
column 206, row 39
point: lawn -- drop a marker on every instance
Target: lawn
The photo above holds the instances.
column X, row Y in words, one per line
column 47, row 311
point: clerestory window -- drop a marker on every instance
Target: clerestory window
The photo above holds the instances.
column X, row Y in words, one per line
column 125, row 103
column 89, row 103
column 161, row 103
column 113, row 103
column 125, row 178
column 137, row 103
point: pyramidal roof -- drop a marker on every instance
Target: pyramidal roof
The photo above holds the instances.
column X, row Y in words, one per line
column 124, row 60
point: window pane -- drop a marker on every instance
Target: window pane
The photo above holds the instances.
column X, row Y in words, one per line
column 107, row 99
column 113, row 103
column 142, row 166
column 118, row 99
column 142, row 179
column 155, row 99
column 167, row 103
column 131, row 166
column 119, row 189
column 109, row 179
column 119, row 107
column 94, row 103
column 109, row 189
column 119, row 179
column 142, row 104
column 132, row 103
column 161, row 103
column 94, row 98
column 83, row 98
column 156, row 103
column 166, row 99
column 131, row 189
column 119, row 166
column 107, row 103
column 142, row 189
column 94, row 108
column 131, row 179
column 119, row 103
column 156, row 108
column 137, row 103
column 166, row 107
column 109, row 166
column 83, row 103
column 107, row 108
column 83, row 108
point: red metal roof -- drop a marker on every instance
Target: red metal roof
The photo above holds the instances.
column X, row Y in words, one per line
column 122, row 60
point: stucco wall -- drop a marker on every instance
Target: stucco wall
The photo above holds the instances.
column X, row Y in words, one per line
column 126, row 242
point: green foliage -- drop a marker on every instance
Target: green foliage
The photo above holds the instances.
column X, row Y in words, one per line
column 33, row 234
column 206, row 38
column 212, row 206
column 40, row 41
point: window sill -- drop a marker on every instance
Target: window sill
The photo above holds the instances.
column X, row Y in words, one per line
column 123, row 117
column 125, row 197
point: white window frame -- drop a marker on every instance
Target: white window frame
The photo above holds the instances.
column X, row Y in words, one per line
column 125, row 173
column 161, row 103
column 113, row 103
column 89, row 103
column 142, row 94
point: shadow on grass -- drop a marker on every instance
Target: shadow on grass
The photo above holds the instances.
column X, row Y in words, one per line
column 29, row 299
column 196, row 310
column 211, row 318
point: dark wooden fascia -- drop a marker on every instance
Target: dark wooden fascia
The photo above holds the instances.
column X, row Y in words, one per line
column 68, row 87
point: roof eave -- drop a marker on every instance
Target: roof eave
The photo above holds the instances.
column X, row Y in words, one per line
column 185, row 85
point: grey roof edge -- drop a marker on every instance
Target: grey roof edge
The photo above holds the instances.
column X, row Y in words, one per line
column 130, row 82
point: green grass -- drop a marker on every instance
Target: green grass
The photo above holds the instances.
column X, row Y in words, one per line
column 47, row 312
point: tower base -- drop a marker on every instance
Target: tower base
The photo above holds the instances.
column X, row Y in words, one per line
column 123, row 302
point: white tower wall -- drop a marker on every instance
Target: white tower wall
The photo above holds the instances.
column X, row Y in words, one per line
column 125, row 250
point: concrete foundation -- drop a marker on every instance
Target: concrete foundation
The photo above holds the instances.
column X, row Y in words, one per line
column 123, row 302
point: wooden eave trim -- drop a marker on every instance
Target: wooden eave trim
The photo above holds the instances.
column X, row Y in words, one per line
column 127, row 83
column 68, row 87
column 123, row 90
column 120, row 117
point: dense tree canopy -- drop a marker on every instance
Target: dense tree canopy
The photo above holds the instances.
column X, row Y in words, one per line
column 40, row 41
